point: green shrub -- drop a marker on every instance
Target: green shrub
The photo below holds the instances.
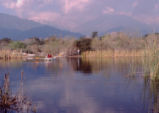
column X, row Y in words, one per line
column 17, row 45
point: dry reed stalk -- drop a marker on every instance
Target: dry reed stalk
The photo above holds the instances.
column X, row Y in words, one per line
column 9, row 54
column 18, row 103
column 114, row 53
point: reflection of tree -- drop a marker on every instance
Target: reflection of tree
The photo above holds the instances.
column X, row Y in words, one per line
column 79, row 65
column 107, row 65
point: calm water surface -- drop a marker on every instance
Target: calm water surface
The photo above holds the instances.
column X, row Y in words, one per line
column 85, row 86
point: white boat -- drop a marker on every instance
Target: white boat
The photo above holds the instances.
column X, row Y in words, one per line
column 49, row 59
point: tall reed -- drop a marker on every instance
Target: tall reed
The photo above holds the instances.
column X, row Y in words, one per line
column 114, row 53
column 10, row 103
column 151, row 61
column 9, row 54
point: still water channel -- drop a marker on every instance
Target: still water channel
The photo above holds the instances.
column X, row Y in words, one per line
column 85, row 86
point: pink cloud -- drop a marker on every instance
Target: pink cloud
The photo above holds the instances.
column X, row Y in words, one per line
column 44, row 16
column 124, row 13
column 66, row 5
column 24, row 8
column 74, row 5
column 156, row 7
column 135, row 4
column 22, row 4
column 109, row 10
column 13, row 4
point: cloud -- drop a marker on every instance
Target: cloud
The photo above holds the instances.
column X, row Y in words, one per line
column 71, row 14
column 74, row 4
column 44, row 16
column 66, row 6
column 24, row 8
column 135, row 4
column 156, row 7
column 20, row 3
column 108, row 10
column 14, row 4
column 124, row 13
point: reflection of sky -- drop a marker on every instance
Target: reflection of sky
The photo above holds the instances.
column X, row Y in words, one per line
column 63, row 90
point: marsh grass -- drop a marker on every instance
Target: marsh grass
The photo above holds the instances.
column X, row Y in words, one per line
column 151, row 61
column 10, row 103
column 151, row 94
column 114, row 53
column 151, row 67
column 10, row 54
column 149, row 56
column 154, row 93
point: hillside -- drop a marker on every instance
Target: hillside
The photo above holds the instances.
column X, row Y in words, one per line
column 19, row 29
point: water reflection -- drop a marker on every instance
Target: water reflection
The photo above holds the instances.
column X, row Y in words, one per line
column 152, row 87
column 96, row 65
column 155, row 95
column 62, row 87
column 79, row 65
column 11, row 103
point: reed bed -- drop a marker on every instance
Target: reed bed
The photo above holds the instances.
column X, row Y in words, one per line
column 151, row 61
column 9, row 54
column 114, row 53
column 151, row 66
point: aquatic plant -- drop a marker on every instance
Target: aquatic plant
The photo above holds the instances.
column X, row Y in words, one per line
column 151, row 61
column 9, row 102
column 151, row 94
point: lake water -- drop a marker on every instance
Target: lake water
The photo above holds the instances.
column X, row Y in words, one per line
column 85, row 86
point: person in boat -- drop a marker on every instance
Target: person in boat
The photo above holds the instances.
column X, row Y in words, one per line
column 49, row 56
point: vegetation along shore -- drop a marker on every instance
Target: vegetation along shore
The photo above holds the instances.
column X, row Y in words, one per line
column 109, row 45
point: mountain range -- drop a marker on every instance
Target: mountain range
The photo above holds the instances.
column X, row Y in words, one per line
column 18, row 29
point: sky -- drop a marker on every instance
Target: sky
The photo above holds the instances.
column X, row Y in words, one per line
column 69, row 14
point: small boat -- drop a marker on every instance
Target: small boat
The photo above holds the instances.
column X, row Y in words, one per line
column 30, row 58
column 49, row 59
